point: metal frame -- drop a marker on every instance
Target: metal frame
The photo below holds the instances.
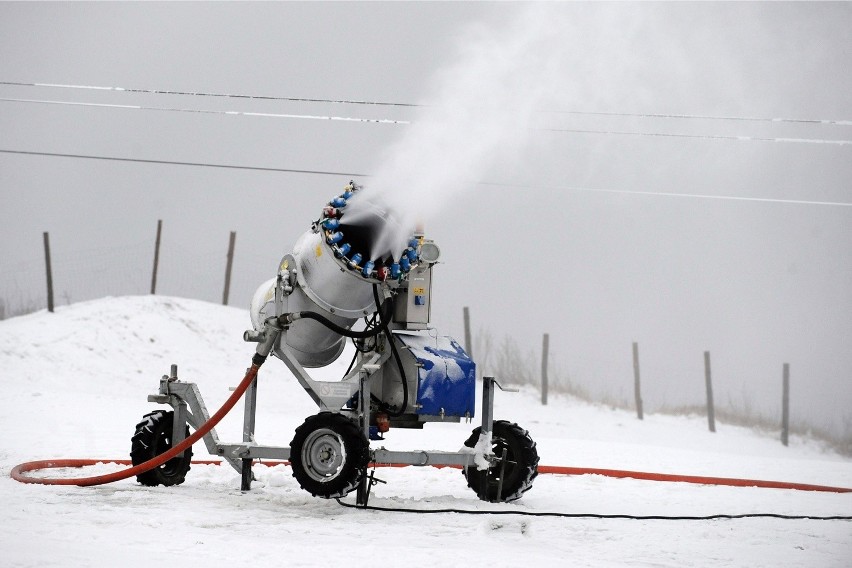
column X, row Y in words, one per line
column 189, row 408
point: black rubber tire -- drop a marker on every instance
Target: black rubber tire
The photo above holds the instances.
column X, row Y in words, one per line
column 521, row 465
column 329, row 455
column 153, row 437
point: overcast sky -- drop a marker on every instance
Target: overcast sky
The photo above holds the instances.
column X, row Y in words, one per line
column 495, row 161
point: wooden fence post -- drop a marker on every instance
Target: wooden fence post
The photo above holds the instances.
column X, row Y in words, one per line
column 156, row 256
column 545, row 347
column 467, row 340
column 785, row 406
column 711, row 411
column 636, row 383
column 49, row 272
column 228, row 268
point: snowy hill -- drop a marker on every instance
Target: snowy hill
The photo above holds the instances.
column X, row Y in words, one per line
column 75, row 384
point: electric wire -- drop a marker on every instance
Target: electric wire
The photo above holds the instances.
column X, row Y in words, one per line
column 598, row 516
column 177, row 163
column 208, row 111
column 415, row 105
column 407, row 122
column 485, row 183
column 703, row 117
column 205, row 94
column 702, row 136
column 669, row 194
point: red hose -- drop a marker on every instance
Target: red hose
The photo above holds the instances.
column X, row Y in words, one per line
column 17, row 471
column 690, row 479
column 562, row 470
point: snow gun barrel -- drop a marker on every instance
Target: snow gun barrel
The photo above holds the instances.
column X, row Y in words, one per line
column 340, row 269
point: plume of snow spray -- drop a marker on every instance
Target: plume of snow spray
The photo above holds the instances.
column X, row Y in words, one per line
column 477, row 114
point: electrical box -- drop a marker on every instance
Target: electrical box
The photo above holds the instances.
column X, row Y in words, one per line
column 414, row 301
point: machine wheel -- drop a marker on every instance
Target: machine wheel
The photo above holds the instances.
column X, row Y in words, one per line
column 329, row 455
column 153, row 437
column 519, row 470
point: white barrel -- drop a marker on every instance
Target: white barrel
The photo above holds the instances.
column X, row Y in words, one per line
column 333, row 282
column 339, row 292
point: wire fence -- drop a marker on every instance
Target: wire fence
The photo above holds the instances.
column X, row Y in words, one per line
column 86, row 274
column 505, row 357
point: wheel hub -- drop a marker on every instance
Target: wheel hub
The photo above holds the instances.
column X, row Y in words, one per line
column 323, row 454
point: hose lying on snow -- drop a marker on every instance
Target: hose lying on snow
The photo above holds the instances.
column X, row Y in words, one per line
column 17, row 471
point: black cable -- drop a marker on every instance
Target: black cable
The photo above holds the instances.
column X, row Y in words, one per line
column 370, row 323
column 365, row 349
column 351, row 363
column 396, row 356
column 599, row 516
column 385, row 320
column 342, row 330
column 362, row 346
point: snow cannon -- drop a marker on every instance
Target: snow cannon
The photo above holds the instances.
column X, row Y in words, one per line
column 357, row 274
column 333, row 270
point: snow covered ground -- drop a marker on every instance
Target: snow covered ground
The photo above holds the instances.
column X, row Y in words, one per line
column 75, row 384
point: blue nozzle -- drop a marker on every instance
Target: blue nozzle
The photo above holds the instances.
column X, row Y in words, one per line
column 368, row 268
column 394, row 270
column 356, row 260
column 338, row 202
column 334, row 238
column 406, row 266
column 344, row 249
column 331, row 224
column 411, row 254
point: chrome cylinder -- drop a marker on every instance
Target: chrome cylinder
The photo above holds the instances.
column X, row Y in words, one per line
column 332, row 271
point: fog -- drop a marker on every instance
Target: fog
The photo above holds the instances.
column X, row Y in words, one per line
column 604, row 173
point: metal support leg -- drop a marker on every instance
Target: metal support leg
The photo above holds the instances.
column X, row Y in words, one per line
column 179, row 424
column 179, row 420
column 488, row 384
column 363, row 492
column 502, row 476
column 248, row 432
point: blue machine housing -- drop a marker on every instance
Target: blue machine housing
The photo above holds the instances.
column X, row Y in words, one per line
column 446, row 384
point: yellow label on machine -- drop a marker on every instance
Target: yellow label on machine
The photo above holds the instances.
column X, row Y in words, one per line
column 419, row 291
column 318, row 250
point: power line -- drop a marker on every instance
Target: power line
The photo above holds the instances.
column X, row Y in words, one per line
column 207, row 111
column 203, row 94
column 486, row 183
column 175, row 163
column 414, row 105
column 704, row 117
column 406, row 122
column 704, row 136
column 671, row 194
